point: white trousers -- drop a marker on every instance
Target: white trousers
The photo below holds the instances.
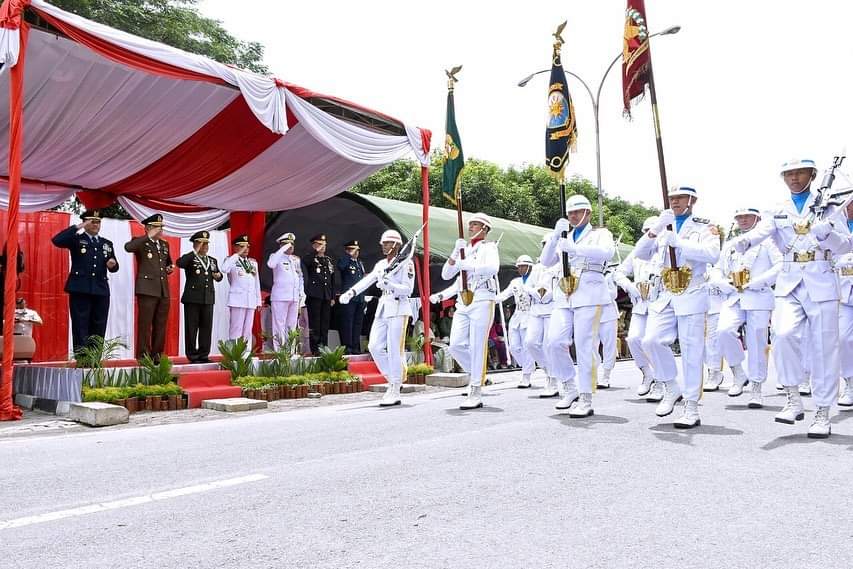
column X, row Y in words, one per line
column 845, row 325
column 636, row 332
column 536, row 338
column 284, row 316
column 662, row 328
column 240, row 323
column 713, row 355
column 607, row 335
column 757, row 323
column 519, row 350
column 580, row 325
column 790, row 316
column 469, row 339
column 386, row 345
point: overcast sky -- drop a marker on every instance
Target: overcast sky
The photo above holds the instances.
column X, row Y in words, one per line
column 742, row 88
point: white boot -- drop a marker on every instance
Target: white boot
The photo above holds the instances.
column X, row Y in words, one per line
column 524, row 383
column 821, row 428
column 793, row 409
column 604, row 382
column 755, row 399
column 570, row 395
column 689, row 417
column 671, row 396
column 645, row 385
column 473, row 401
column 846, row 399
column 583, row 407
column 805, row 388
column 656, row 392
column 739, row 381
column 550, row 389
column 392, row 396
column 713, row 381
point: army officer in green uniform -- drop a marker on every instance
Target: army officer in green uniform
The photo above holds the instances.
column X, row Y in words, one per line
column 201, row 271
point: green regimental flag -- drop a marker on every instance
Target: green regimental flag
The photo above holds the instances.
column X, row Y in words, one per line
column 454, row 160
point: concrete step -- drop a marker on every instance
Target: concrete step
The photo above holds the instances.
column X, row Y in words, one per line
column 97, row 414
column 233, row 404
column 444, row 379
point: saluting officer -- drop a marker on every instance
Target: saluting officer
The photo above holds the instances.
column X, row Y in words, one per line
column 577, row 312
column 319, row 274
column 244, row 292
column 352, row 314
column 287, row 288
column 153, row 267
column 676, row 313
column 200, row 272
column 806, row 299
column 92, row 257
column 387, row 334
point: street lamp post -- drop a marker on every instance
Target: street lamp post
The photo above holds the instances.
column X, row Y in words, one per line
column 595, row 100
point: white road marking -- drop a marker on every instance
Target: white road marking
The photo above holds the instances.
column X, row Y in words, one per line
column 128, row 502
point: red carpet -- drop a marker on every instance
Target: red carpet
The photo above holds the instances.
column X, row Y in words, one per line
column 367, row 371
column 201, row 385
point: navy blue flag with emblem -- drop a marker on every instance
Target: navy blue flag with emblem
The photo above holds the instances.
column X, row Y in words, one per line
column 561, row 131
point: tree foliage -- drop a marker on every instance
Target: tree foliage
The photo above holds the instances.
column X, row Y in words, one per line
column 528, row 194
column 174, row 22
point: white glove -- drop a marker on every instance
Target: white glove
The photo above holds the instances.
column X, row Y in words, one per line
column 725, row 287
column 665, row 218
column 822, row 229
column 740, row 244
column 346, row 297
column 434, row 298
column 567, row 246
column 382, row 282
column 667, row 238
column 562, row 225
column 287, row 248
column 459, row 246
column 633, row 292
column 465, row 265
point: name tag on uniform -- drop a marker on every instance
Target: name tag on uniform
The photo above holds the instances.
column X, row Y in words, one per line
column 783, row 216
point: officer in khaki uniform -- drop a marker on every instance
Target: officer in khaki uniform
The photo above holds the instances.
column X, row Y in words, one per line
column 153, row 267
column 201, row 271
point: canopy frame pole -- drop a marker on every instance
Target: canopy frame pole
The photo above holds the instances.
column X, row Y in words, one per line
column 8, row 410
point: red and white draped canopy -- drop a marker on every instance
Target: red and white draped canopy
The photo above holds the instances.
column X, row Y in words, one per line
column 111, row 116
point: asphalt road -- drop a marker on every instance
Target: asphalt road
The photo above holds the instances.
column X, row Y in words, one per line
column 515, row 485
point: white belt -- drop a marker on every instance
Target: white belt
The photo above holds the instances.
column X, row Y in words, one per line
column 392, row 295
column 591, row 267
column 807, row 256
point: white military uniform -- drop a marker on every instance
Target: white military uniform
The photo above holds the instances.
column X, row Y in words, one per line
column 680, row 316
column 578, row 316
column 287, row 290
column 713, row 357
column 469, row 333
column 607, row 332
column 518, row 322
column 844, row 266
column 804, row 294
column 751, row 307
column 386, row 343
column 540, row 287
column 244, row 294
column 642, row 271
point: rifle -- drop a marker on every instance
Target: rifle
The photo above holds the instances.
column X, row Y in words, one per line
column 405, row 254
column 825, row 198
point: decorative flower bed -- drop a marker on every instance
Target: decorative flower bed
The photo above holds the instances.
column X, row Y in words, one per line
column 165, row 397
column 298, row 386
column 416, row 373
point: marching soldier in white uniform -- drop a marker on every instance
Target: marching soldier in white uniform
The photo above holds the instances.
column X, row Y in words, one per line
column 244, row 294
column 540, row 286
column 804, row 294
column 387, row 334
column 713, row 359
column 680, row 313
column 844, row 265
column 518, row 323
column 287, row 288
column 642, row 290
column 578, row 310
column 607, row 332
column 469, row 333
column 745, row 280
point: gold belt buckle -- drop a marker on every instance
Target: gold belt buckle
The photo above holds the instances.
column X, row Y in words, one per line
column 802, row 228
column 847, row 271
column 804, row 256
column 644, row 287
column 740, row 278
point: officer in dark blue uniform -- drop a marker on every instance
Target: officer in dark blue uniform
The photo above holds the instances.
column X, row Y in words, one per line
column 352, row 314
column 92, row 257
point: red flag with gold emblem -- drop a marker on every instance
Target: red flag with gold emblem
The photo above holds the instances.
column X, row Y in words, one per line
column 636, row 57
